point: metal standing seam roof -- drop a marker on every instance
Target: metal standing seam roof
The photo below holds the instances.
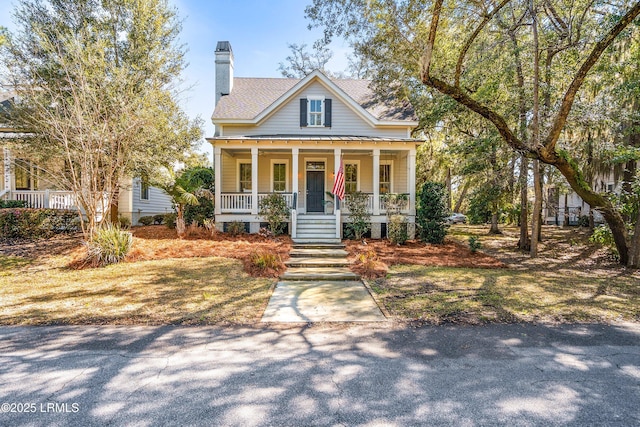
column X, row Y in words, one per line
column 250, row 96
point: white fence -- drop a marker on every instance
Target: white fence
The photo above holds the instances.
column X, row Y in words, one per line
column 243, row 202
column 46, row 199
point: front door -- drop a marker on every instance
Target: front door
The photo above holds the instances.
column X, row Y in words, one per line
column 315, row 191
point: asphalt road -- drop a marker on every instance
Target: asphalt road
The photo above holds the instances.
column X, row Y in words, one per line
column 373, row 375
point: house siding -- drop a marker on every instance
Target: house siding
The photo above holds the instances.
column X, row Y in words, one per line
column 286, row 120
column 159, row 202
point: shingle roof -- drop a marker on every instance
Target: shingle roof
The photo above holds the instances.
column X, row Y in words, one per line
column 250, row 96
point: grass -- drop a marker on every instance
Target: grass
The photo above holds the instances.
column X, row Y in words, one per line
column 442, row 294
column 171, row 291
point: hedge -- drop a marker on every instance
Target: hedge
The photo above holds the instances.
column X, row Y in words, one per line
column 23, row 223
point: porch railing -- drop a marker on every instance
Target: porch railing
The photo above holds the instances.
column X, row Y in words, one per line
column 49, row 199
column 243, row 202
column 382, row 204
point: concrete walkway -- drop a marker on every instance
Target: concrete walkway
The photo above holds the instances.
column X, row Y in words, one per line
column 319, row 287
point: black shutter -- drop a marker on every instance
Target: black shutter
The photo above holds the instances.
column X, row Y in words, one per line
column 327, row 113
column 303, row 112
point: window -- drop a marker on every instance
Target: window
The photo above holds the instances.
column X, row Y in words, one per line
column 24, row 175
column 350, row 177
column 144, row 190
column 385, row 178
column 315, row 112
column 279, row 175
column 315, row 166
column 245, row 177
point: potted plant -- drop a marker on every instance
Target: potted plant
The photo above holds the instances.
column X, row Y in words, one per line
column 328, row 204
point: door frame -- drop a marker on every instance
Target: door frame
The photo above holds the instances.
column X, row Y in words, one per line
column 306, row 178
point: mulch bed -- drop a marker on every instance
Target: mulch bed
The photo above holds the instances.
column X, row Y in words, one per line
column 372, row 258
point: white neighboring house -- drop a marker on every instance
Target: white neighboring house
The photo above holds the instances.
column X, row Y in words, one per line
column 289, row 136
column 565, row 207
column 21, row 180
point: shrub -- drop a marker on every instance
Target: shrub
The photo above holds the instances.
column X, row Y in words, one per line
column 602, row 235
column 583, row 221
column 474, row 244
column 432, row 213
column 158, row 219
column 170, row 220
column 36, row 223
column 200, row 212
column 109, row 245
column 210, row 225
column 265, row 260
column 369, row 263
column 145, row 220
column 359, row 216
column 124, row 222
column 235, row 228
column 275, row 210
column 12, row 204
column 397, row 229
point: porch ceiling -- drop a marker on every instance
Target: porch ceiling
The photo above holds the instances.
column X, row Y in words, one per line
column 312, row 138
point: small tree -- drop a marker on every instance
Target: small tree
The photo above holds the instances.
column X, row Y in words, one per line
column 359, row 216
column 274, row 208
column 432, row 212
column 184, row 190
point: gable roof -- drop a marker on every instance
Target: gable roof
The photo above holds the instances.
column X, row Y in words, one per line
column 253, row 98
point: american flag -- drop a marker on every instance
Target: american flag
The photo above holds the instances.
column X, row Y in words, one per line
column 338, row 185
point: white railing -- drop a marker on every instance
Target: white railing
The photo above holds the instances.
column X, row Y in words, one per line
column 46, row 198
column 242, row 202
column 382, row 206
column 235, row 202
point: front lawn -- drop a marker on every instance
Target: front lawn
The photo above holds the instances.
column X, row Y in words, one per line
column 473, row 295
column 170, row 291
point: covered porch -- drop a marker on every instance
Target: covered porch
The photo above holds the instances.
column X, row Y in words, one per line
column 303, row 170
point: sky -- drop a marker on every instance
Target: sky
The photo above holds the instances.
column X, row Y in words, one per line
column 258, row 30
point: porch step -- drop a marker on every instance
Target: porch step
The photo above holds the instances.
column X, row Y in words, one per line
column 316, row 262
column 319, row 246
column 316, row 236
column 313, row 226
column 319, row 253
column 325, row 241
column 320, row 273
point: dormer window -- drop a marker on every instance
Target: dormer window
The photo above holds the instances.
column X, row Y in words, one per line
column 315, row 111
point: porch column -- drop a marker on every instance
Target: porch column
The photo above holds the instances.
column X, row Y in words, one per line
column 254, row 181
column 294, row 190
column 376, row 181
column 411, row 179
column 337, row 152
column 217, row 169
column 7, row 169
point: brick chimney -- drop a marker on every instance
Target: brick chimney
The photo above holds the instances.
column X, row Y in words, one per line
column 224, row 69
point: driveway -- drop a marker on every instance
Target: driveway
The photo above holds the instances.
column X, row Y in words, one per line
column 374, row 375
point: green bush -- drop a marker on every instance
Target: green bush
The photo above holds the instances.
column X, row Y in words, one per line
column 265, row 260
column 275, row 210
column 603, row 236
column 145, row 220
column 474, row 244
column 397, row 229
column 36, row 223
column 158, row 219
column 200, row 212
column 432, row 213
column 125, row 222
column 359, row 216
column 170, row 220
column 235, row 228
column 12, row 204
column 109, row 245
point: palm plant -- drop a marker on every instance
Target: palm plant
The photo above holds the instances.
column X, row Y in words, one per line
column 185, row 189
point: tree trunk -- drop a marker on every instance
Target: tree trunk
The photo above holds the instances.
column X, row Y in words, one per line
column 537, row 209
column 634, row 250
column 535, row 137
column 494, row 224
column 463, row 194
column 524, row 243
column 448, row 182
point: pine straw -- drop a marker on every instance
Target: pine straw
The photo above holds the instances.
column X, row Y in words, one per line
column 381, row 254
column 156, row 242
